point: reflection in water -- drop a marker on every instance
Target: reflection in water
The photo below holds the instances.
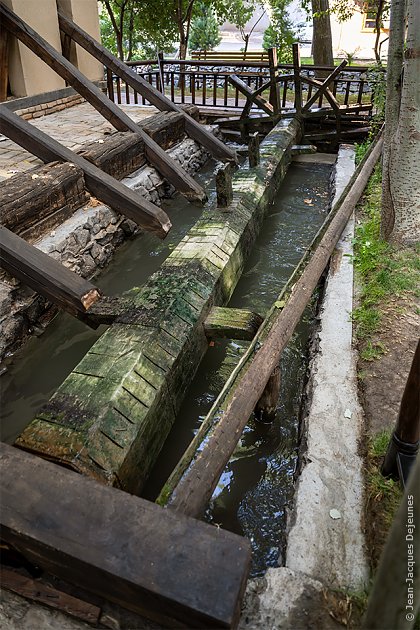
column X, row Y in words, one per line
column 256, row 489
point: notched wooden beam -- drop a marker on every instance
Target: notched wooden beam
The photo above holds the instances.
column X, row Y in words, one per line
column 232, row 323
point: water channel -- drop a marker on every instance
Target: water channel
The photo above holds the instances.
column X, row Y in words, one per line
column 256, row 488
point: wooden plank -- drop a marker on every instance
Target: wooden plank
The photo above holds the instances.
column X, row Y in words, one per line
column 191, row 484
column 165, row 566
column 39, row 592
column 242, row 87
column 193, row 128
column 100, row 184
column 37, row 201
column 46, row 275
column 166, row 166
column 232, row 323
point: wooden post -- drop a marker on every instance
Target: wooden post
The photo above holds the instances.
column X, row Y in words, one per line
column 297, row 80
column 404, row 444
column 274, row 87
column 254, row 149
column 224, row 186
column 161, row 74
column 4, row 62
column 266, row 407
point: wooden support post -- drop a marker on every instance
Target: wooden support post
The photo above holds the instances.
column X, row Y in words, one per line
column 161, row 72
column 404, row 444
column 254, row 149
column 297, row 79
column 46, row 275
column 194, row 129
column 4, row 62
column 275, row 86
column 224, row 186
column 173, row 569
column 232, row 323
column 166, row 166
column 266, row 407
column 100, row 184
column 192, row 483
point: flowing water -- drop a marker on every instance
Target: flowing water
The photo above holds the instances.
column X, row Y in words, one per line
column 256, row 488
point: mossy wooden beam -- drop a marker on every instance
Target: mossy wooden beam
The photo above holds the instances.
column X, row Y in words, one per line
column 299, row 149
column 232, row 323
column 111, row 416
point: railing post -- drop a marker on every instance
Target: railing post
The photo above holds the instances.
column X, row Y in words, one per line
column 110, row 85
column 161, row 75
column 404, row 444
column 274, row 87
column 298, row 84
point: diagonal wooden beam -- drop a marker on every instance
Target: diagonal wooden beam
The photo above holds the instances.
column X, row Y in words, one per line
column 46, row 275
column 100, row 184
column 168, row 168
column 250, row 95
column 194, row 129
column 323, row 87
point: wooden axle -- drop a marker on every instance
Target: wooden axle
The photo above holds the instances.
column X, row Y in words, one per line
column 191, row 484
column 193, row 128
column 232, row 323
column 167, row 167
column 46, row 275
column 100, row 184
column 173, row 569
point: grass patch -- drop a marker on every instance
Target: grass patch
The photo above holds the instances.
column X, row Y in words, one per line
column 384, row 272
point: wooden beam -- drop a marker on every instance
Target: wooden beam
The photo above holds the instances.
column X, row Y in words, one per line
column 232, row 323
column 167, row 167
column 191, row 484
column 100, row 184
column 302, row 149
column 193, row 128
column 47, row 595
column 297, row 79
column 261, row 102
column 254, row 149
column 46, row 275
column 323, row 87
column 128, row 550
column 274, row 85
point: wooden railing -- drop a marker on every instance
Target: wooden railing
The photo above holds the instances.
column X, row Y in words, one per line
column 201, row 83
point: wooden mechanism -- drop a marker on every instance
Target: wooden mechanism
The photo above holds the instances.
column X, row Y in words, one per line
column 232, row 323
column 198, row 132
column 168, row 567
column 168, row 168
column 100, row 184
column 45, row 275
column 191, row 485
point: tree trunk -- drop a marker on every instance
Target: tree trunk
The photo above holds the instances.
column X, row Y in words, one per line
column 404, row 164
column 322, row 40
column 378, row 26
column 392, row 106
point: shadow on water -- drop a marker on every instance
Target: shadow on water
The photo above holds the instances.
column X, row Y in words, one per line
column 255, row 490
column 36, row 371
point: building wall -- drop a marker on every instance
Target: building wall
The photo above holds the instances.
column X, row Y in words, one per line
column 29, row 75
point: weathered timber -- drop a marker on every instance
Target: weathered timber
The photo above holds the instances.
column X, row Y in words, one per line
column 173, row 569
column 45, row 594
column 165, row 128
column 46, row 275
column 254, row 149
column 266, row 407
column 119, row 155
column 232, row 323
column 261, row 102
column 167, row 167
column 191, row 484
column 224, row 190
column 301, row 149
column 297, row 79
column 100, row 184
column 324, row 86
column 34, row 202
column 111, row 416
column 193, row 128
column 274, row 86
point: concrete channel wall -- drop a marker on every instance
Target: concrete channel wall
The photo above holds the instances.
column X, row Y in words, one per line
column 111, row 416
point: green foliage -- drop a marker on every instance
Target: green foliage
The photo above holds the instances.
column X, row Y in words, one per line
column 204, row 34
column 281, row 32
column 377, row 77
column 383, row 271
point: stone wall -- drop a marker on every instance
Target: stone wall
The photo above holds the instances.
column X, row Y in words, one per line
column 84, row 243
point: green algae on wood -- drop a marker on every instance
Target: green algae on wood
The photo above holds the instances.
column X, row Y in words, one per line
column 110, row 417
